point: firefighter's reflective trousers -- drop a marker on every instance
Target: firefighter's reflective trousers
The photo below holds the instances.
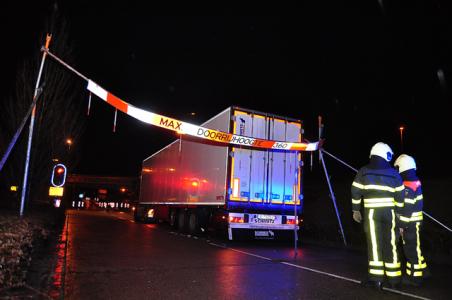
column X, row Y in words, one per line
column 380, row 228
column 415, row 265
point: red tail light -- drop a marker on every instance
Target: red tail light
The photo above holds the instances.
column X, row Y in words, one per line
column 292, row 221
column 233, row 219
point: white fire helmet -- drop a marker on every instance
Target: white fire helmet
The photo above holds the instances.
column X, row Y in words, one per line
column 382, row 150
column 405, row 162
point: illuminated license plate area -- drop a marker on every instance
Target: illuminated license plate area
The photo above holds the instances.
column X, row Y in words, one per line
column 264, row 219
column 264, row 234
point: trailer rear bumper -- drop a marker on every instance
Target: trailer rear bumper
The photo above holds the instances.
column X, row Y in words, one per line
column 263, row 226
column 260, row 226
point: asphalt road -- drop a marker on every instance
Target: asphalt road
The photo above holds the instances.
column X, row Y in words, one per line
column 109, row 256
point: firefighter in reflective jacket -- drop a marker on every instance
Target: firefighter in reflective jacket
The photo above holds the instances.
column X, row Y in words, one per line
column 379, row 188
column 411, row 218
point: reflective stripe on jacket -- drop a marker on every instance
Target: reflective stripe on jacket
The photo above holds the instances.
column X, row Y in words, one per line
column 377, row 188
column 414, row 202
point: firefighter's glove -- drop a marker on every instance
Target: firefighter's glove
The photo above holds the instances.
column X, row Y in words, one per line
column 357, row 216
column 399, row 222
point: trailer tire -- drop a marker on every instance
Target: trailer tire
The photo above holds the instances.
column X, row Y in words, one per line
column 193, row 223
column 173, row 218
column 182, row 221
column 137, row 216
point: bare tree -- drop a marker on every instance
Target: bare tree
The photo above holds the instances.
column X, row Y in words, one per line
column 59, row 114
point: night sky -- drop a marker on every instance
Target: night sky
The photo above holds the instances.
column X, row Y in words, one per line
column 366, row 70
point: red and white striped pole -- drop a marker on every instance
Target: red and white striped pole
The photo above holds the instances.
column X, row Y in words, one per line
column 184, row 127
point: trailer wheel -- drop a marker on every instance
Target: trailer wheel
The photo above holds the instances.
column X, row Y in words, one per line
column 173, row 218
column 182, row 221
column 193, row 223
column 135, row 216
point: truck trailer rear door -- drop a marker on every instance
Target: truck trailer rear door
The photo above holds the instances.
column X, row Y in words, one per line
column 263, row 176
column 284, row 171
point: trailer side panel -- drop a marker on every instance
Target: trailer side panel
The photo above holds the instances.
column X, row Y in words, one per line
column 187, row 172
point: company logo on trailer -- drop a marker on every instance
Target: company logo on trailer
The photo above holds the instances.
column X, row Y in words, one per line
column 242, row 126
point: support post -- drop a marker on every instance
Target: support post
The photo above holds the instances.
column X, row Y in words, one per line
column 30, row 133
column 333, row 198
column 296, row 227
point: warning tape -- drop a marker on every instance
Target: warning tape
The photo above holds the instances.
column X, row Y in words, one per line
column 194, row 130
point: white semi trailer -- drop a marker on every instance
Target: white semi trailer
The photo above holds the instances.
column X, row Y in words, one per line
column 197, row 185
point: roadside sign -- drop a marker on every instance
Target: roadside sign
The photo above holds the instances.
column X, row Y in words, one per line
column 56, row 191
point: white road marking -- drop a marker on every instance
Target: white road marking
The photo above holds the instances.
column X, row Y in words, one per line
column 305, row 268
column 319, row 272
